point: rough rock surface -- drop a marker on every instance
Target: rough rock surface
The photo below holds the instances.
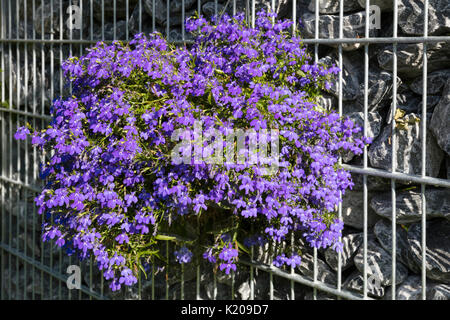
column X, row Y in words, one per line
column 440, row 121
column 383, row 233
column 379, row 265
column 411, row 17
column 408, row 149
column 351, row 244
column 353, row 208
column 409, row 203
column 353, row 27
column 438, row 249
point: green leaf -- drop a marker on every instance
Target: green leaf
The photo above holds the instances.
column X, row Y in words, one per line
column 242, row 247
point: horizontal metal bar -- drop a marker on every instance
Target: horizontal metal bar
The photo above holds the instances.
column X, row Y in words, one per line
column 389, row 40
column 46, row 269
column 21, row 184
column 397, row 176
column 24, row 113
column 303, row 280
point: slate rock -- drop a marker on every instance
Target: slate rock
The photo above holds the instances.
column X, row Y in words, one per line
column 355, row 282
column 373, row 129
column 435, row 82
column 385, row 5
column 351, row 243
column 353, row 208
column 438, row 249
column 439, row 292
column 410, row 58
column 409, row 203
column 440, row 121
column 50, row 16
column 109, row 31
column 332, row 6
column 161, row 10
column 324, row 273
column 411, row 17
column 353, row 27
column 379, row 89
column 408, row 148
column 351, row 75
column 108, row 9
column 379, row 268
column 410, row 289
column 383, row 233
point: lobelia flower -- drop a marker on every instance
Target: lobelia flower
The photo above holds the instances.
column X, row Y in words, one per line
column 113, row 186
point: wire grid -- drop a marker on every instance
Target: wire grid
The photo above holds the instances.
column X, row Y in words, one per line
column 19, row 181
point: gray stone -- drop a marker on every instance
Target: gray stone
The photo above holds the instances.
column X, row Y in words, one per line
column 324, row 273
column 108, row 9
column 435, row 82
column 109, row 31
column 353, row 27
column 411, row 17
column 351, row 243
column 161, row 10
column 209, row 9
column 439, row 292
column 408, row 204
column 440, row 120
column 385, row 5
column 410, row 102
column 327, row 102
column 51, row 20
column 410, row 58
column 379, row 268
column 410, row 289
column 351, row 74
column 146, row 22
column 355, row 282
column 353, row 208
column 408, row 148
column 437, row 262
column 332, row 6
column 383, row 233
column 373, row 130
column 379, row 89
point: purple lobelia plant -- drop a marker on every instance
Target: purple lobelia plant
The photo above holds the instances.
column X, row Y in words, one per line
column 120, row 182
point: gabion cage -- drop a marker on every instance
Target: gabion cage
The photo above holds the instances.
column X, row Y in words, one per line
column 36, row 35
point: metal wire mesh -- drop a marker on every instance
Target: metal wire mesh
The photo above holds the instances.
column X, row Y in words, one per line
column 28, row 87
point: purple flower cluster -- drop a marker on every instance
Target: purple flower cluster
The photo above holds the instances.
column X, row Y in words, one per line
column 113, row 185
column 183, row 255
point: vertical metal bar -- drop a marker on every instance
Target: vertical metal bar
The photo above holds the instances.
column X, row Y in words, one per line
column 114, row 20
column 182, row 19
column 35, row 176
column 253, row 13
column 182, row 281
column 168, row 20
column 61, row 92
column 153, row 16
column 424, row 140
column 103, row 20
column 2, row 137
column 81, row 53
column 365, row 190
column 341, row 36
column 140, row 16
column 18, row 85
column 316, row 58
column 234, row 7
column 167, row 270
column 394, row 153
column 43, row 111
column 126, row 19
